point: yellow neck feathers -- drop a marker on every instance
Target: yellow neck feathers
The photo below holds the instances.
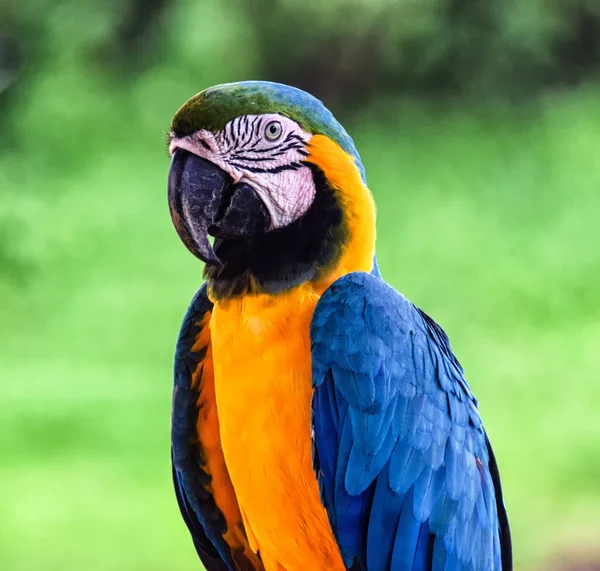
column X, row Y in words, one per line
column 357, row 203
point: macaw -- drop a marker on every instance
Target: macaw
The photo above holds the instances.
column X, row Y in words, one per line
column 320, row 421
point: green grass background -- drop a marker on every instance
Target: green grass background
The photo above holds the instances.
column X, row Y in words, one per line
column 489, row 219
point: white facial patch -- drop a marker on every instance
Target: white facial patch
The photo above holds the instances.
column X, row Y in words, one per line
column 265, row 151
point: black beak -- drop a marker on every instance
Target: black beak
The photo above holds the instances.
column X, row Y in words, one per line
column 203, row 200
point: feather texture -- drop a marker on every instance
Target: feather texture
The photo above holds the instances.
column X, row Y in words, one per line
column 404, row 465
column 199, row 474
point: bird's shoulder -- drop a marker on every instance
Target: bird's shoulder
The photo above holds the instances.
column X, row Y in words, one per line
column 364, row 318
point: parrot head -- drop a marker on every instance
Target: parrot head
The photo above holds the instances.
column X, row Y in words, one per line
column 267, row 171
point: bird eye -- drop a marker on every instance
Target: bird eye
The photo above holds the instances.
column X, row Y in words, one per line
column 273, row 130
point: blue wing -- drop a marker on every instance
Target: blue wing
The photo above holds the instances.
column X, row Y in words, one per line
column 405, row 468
column 201, row 515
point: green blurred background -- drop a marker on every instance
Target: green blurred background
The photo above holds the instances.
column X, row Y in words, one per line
column 479, row 126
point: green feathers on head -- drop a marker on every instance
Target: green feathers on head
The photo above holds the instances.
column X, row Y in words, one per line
column 214, row 107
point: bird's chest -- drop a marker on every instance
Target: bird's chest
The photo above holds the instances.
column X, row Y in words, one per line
column 262, row 364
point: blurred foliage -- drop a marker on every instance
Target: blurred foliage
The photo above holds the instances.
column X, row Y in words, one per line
column 484, row 167
column 585, row 561
column 354, row 51
column 344, row 50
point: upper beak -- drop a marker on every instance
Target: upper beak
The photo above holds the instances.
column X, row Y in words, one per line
column 204, row 200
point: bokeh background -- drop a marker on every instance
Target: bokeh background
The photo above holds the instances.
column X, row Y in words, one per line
column 479, row 125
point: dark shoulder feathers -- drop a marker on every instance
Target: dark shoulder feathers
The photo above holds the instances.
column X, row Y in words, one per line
column 197, row 505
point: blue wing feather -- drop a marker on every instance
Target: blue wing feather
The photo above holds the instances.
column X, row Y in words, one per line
column 404, row 465
column 200, row 513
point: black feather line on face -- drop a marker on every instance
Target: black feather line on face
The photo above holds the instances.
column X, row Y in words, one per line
column 242, row 157
column 283, row 150
column 286, row 257
column 274, row 170
column 269, row 153
column 227, row 137
column 247, row 136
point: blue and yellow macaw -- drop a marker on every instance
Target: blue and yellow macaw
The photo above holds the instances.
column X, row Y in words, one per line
column 320, row 420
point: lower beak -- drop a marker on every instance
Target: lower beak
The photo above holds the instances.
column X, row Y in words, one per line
column 204, row 201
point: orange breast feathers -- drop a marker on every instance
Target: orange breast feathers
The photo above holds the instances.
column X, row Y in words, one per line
column 262, row 367
column 210, row 443
column 263, row 390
